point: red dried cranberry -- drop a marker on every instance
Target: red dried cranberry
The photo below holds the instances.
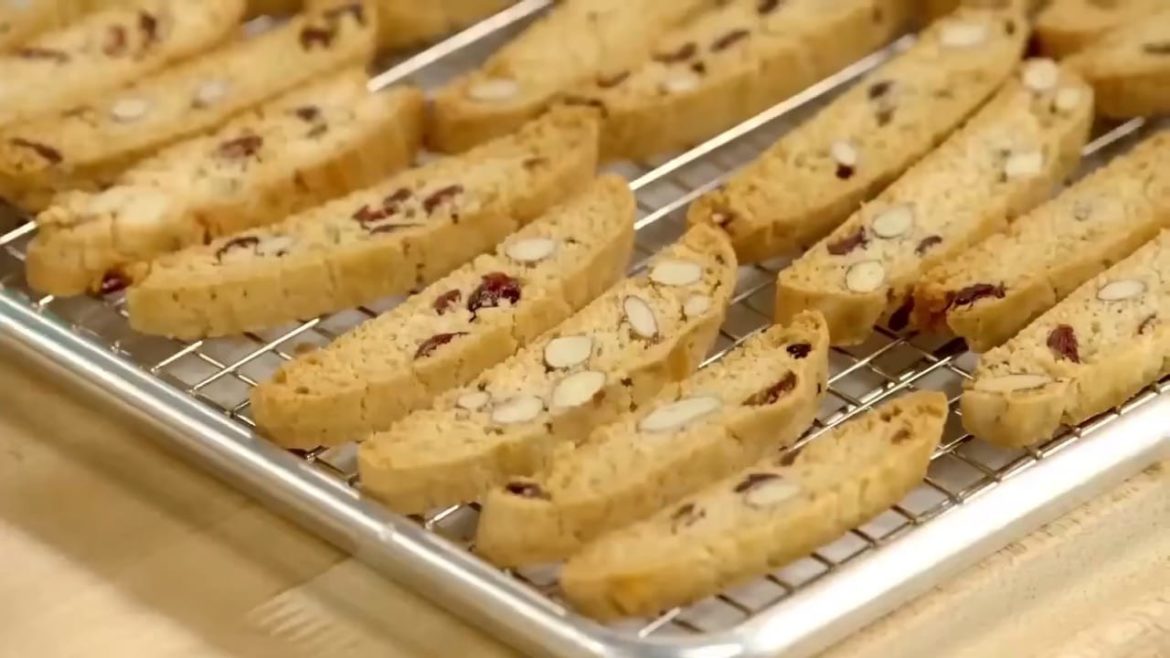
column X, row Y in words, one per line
column 115, row 44
column 685, row 52
column 764, row 7
column 399, row 195
column 246, row 242
column 148, row 25
column 494, row 287
column 48, row 54
column 241, row 147
column 849, row 243
column 973, row 293
column 686, row 515
column 444, row 301
column 1161, row 48
column 613, row 80
column 728, row 40
column 799, row 350
column 900, row 319
column 315, row 36
column 1063, row 342
column 754, row 480
column 308, row 113
column 844, row 171
column 526, row 490
column 112, row 282
column 774, row 392
column 439, row 196
column 365, row 214
column 928, row 243
column 48, row 153
column 433, row 343
column 1147, row 324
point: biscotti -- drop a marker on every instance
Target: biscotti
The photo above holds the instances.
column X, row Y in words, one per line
column 1002, row 163
column 815, row 176
column 1066, row 26
column 761, row 396
column 21, row 20
column 611, row 357
column 58, row 70
column 389, row 239
column 727, row 65
column 312, row 145
column 990, row 292
column 88, row 146
column 577, row 41
column 1129, row 68
column 932, row 10
column 447, row 334
column 761, row 518
column 406, row 23
column 1090, row 353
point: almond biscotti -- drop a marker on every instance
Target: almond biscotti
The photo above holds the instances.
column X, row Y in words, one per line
column 994, row 290
column 389, row 239
column 816, row 175
column 1002, row 163
column 1090, row 353
column 611, row 357
column 89, row 145
column 1129, row 68
column 761, row 396
column 762, row 518
column 577, row 41
column 312, row 145
column 730, row 63
column 447, row 334
column 58, row 70
column 1066, row 26
column 22, row 19
column 406, row 23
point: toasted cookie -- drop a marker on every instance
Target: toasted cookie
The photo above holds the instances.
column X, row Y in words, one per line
column 1066, row 26
column 1129, row 68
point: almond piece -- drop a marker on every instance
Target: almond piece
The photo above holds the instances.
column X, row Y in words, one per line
column 676, row 273
column 210, row 92
column 577, row 389
column 1023, row 165
column 1010, row 383
column 894, row 221
column 680, row 82
column 531, row 250
column 677, row 415
column 1067, row 99
column 568, row 351
column 640, row 316
column 696, row 306
column 129, row 109
column 843, row 153
column 866, row 276
column 473, row 401
column 770, row 493
column 960, row 34
column 520, row 409
column 491, row 90
column 1119, row 291
column 1041, row 75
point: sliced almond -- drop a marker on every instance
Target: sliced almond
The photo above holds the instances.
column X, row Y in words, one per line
column 1009, row 383
column 493, row 89
column 844, row 153
column 696, row 306
column 677, row 415
column 640, row 316
column 894, row 222
column 1119, row 291
column 577, row 389
column 676, row 273
column 961, row 34
column 473, row 401
column 129, row 109
column 210, row 92
column 866, row 276
column 568, row 351
column 520, row 409
column 531, row 250
column 275, row 245
column 680, row 82
column 1041, row 75
column 1067, row 99
column 1024, row 165
column 771, row 493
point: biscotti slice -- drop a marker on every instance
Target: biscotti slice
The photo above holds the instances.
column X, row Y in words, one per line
column 816, row 175
column 1129, row 68
column 407, row 23
column 314, row 144
column 447, row 334
column 1090, row 353
column 762, row 518
column 1066, row 26
column 389, row 239
column 22, row 19
column 729, row 64
column 932, row 10
column 762, row 395
column 88, row 146
column 60, row 69
column 1001, row 164
column 990, row 292
column 614, row 355
column 577, row 41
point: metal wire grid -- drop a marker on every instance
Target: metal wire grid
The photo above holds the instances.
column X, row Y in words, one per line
column 220, row 372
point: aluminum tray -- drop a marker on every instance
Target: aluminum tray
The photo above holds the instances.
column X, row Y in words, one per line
column 976, row 499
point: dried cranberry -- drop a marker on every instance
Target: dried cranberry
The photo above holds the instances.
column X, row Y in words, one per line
column 686, row 515
column 799, row 350
column 1063, row 342
column 112, row 282
column 315, row 36
column 148, row 25
column 43, row 53
column 774, row 392
column 973, row 293
column 526, row 490
column 585, row 101
column 444, row 301
column 494, row 287
column 613, row 80
column 1160, row 48
column 365, row 214
column 699, row 68
column 849, row 243
column 397, row 197
column 754, row 480
column 900, row 436
column 728, row 40
column 48, row 153
column 928, row 243
column 900, row 319
column 241, row 147
column 115, row 44
column 354, row 9
column 767, row 6
column 246, row 242
column 1147, row 324
column 433, row 343
column 308, row 113
column 439, row 196
column 685, row 52
column 844, row 171
column 879, row 89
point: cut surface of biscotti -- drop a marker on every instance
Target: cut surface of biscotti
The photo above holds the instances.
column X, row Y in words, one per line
column 1090, row 353
column 406, row 23
column 1129, row 68
column 444, row 336
column 102, row 50
column 312, row 145
column 87, row 146
column 389, row 239
column 815, row 176
column 21, row 20
column 575, row 42
column 761, row 396
column 1002, row 163
column 995, row 289
column 1066, row 26
column 765, row 516
column 727, row 65
column 620, row 350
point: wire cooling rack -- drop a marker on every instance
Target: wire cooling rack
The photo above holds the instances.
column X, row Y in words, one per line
column 976, row 498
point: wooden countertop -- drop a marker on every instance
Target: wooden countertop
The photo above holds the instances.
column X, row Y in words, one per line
column 112, row 547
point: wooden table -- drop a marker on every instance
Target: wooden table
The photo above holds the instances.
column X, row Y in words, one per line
column 112, row 547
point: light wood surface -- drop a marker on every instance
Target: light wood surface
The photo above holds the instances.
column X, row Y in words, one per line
column 112, row 547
